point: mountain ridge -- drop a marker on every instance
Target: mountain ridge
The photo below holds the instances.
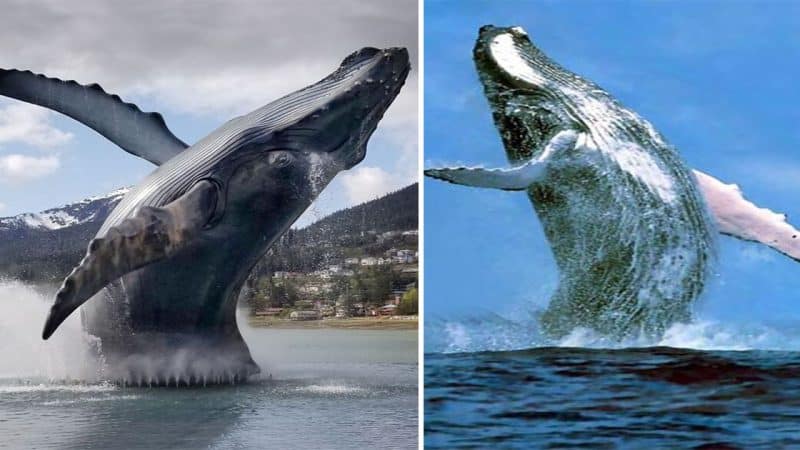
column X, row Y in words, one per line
column 45, row 246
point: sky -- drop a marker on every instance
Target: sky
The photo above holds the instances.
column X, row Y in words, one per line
column 717, row 79
column 199, row 63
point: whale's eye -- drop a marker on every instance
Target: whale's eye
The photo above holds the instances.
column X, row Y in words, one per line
column 280, row 159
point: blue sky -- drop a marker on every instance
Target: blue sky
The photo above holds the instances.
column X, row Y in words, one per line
column 199, row 67
column 717, row 79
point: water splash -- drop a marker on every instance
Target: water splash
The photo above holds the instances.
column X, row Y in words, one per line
column 72, row 357
column 496, row 333
column 26, row 388
column 23, row 353
column 80, row 401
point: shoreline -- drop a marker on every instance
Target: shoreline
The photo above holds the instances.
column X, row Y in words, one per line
column 353, row 323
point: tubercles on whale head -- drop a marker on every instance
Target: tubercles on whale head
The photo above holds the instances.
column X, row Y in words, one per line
column 354, row 115
column 338, row 114
column 519, row 30
column 293, row 147
column 288, row 151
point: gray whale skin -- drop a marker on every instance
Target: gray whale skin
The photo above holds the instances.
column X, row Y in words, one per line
column 165, row 270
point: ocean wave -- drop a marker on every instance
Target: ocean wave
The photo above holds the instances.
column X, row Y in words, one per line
column 496, row 333
column 90, row 400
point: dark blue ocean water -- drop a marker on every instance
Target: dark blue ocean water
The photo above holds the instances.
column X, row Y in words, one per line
column 580, row 395
column 643, row 398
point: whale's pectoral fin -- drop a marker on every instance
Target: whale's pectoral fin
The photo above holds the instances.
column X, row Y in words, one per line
column 512, row 179
column 516, row 179
column 152, row 234
column 740, row 218
column 142, row 134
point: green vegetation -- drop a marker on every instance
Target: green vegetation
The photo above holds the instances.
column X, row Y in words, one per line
column 350, row 263
column 409, row 304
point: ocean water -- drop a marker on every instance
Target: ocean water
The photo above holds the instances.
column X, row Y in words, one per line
column 492, row 383
column 320, row 388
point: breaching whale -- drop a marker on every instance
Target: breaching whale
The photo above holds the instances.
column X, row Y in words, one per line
column 167, row 265
column 631, row 227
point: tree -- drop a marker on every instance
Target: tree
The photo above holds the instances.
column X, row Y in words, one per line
column 284, row 294
column 409, row 303
column 377, row 285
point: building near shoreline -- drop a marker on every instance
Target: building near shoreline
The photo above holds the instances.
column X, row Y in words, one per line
column 305, row 315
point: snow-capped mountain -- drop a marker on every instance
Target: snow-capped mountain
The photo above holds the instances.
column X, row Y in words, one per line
column 92, row 209
column 44, row 246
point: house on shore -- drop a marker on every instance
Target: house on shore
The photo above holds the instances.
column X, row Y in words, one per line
column 305, row 315
column 269, row 312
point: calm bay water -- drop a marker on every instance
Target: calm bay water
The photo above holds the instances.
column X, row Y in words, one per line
column 321, row 388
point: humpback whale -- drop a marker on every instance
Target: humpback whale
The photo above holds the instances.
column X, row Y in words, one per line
column 166, row 267
column 632, row 228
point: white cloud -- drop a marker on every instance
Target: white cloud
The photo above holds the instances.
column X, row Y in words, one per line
column 21, row 168
column 227, row 92
column 2, row 206
column 180, row 69
column 234, row 91
column 178, row 66
column 30, row 125
column 363, row 184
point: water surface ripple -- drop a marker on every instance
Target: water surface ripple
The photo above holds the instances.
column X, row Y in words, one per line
column 648, row 397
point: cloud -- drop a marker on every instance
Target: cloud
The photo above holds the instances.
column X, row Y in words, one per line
column 219, row 60
column 222, row 58
column 21, row 168
column 368, row 183
column 2, row 206
column 30, row 125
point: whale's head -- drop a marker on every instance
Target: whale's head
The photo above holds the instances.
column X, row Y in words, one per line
column 293, row 147
column 335, row 117
column 532, row 98
column 360, row 91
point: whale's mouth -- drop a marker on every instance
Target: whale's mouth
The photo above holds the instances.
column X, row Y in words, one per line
column 369, row 100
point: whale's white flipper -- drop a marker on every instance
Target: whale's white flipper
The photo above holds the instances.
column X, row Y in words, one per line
column 516, row 179
column 139, row 133
column 513, row 179
column 151, row 235
column 740, row 218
